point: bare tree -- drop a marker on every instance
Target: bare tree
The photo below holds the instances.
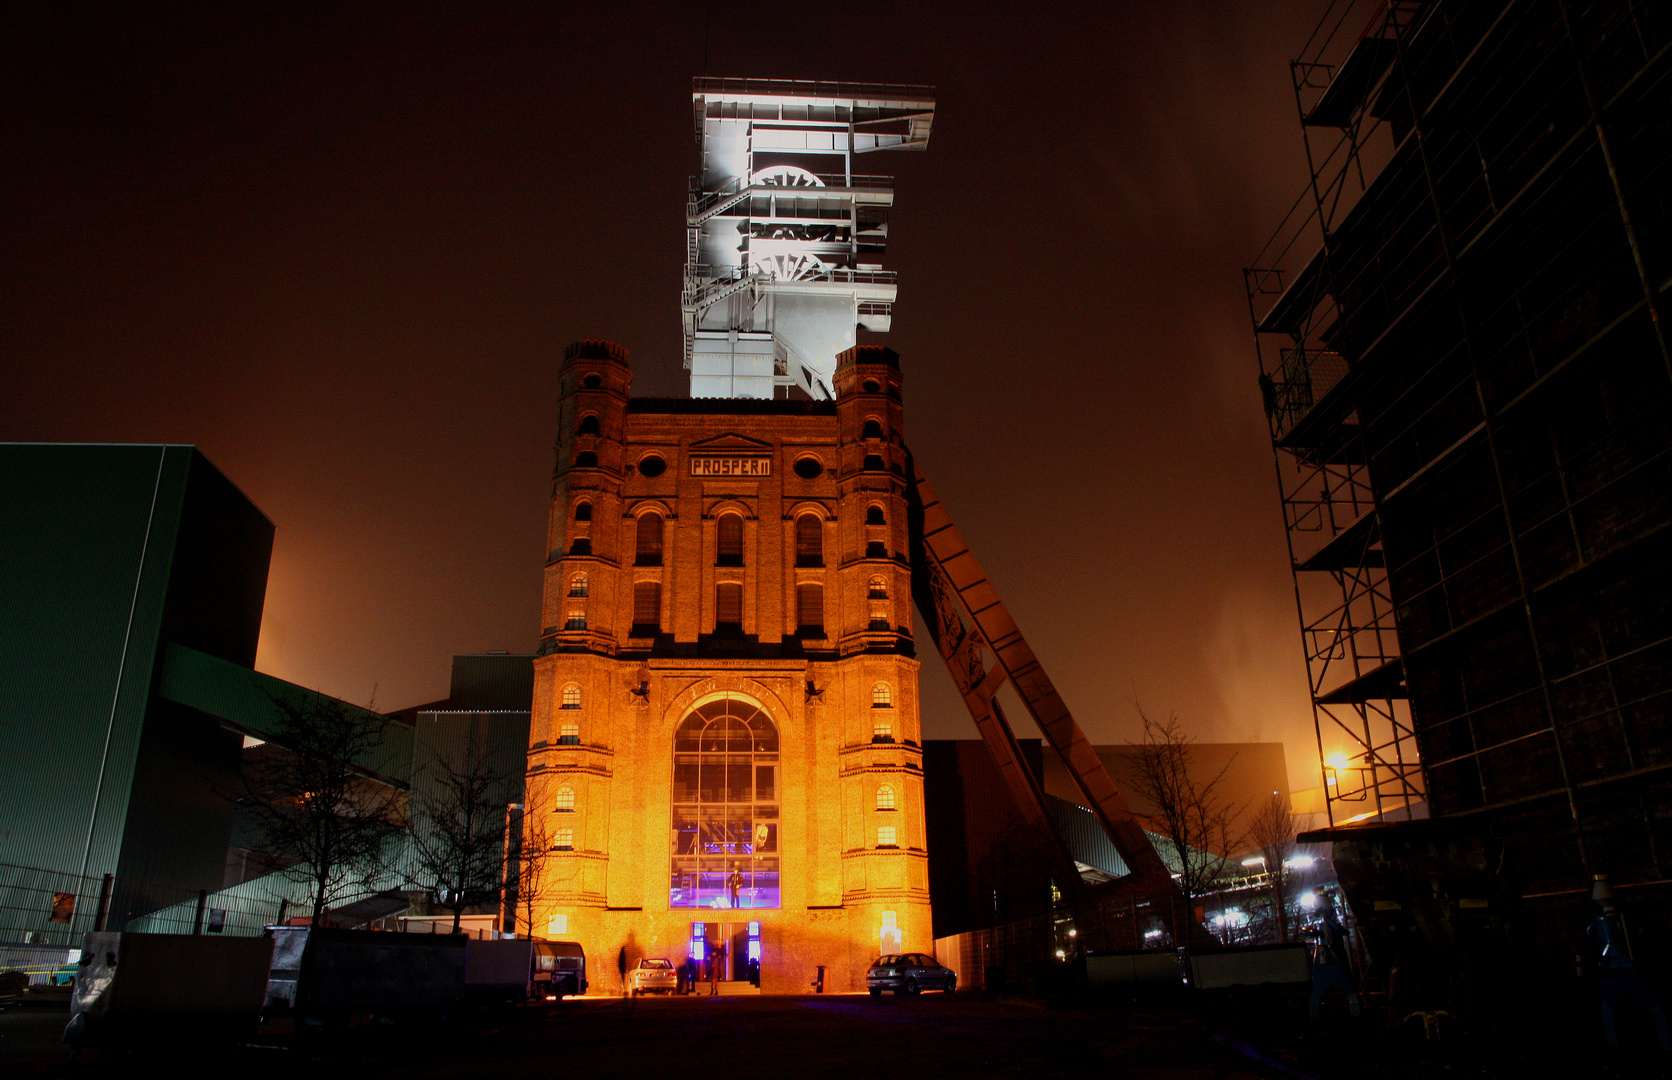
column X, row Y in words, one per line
column 1273, row 829
column 1191, row 813
column 457, row 831
column 533, row 848
column 322, row 813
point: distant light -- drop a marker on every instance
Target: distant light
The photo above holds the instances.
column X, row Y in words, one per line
column 1300, row 862
column 1061, row 955
column 1308, row 900
column 1258, row 860
column 1337, row 760
column 1153, row 933
column 1073, row 933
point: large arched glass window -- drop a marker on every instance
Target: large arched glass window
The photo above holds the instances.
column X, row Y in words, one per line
column 649, row 546
column 885, row 797
column 725, row 808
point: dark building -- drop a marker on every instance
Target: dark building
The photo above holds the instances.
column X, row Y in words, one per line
column 132, row 580
column 1465, row 367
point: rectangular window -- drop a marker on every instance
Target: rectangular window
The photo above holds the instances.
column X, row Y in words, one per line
column 809, row 540
column 648, row 547
column 569, row 735
column 809, row 610
column 885, row 836
column 647, row 608
column 728, row 606
column 558, row 926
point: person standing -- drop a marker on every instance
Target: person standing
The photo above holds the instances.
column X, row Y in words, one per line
column 1614, row 941
column 734, row 882
column 1331, row 967
column 716, row 961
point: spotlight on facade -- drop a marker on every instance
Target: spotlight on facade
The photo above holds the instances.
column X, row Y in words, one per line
column 1309, row 900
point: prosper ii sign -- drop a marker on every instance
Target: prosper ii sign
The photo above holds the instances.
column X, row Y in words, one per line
column 731, row 466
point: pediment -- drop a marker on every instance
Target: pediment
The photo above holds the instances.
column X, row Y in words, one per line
column 731, row 443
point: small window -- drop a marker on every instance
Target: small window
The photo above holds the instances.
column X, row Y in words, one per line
column 565, row 801
column 728, row 606
column 592, row 382
column 873, row 463
column 652, row 465
column 873, row 515
column 809, row 610
column 589, row 425
column 583, row 511
column 809, row 468
column 589, row 460
column 564, row 840
column 647, row 609
column 885, row 797
column 649, row 545
column 876, row 549
column 558, row 925
column 575, row 621
column 569, row 734
column 876, row 590
column 882, row 729
column 581, row 546
column 809, row 540
column 882, row 696
column 577, row 585
column 879, row 621
column 873, row 430
column 871, row 386
column 886, row 836
column 571, row 696
column 729, row 536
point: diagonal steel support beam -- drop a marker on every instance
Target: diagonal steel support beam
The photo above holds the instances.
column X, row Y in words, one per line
column 946, row 577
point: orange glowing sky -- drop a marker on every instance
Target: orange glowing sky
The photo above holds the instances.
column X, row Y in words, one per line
column 340, row 247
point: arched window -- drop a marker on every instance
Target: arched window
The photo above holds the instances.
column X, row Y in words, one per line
column 882, row 696
column 809, row 540
column 565, row 801
column 882, row 729
column 887, row 836
column 873, row 430
column 878, row 589
column 649, row 546
column 583, row 511
column 563, row 839
column 873, row 515
column 577, row 585
column 809, row 610
column 885, row 797
column 728, row 607
column 589, row 425
column 647, row 609
column 729, row 534
column 572, row 696
column 725, row 807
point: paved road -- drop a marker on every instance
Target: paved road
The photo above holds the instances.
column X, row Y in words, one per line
column 804, row 1038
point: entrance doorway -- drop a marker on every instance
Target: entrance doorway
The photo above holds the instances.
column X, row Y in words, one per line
column 734, row 947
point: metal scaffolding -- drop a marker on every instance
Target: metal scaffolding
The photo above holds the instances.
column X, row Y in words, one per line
column 1469, row 394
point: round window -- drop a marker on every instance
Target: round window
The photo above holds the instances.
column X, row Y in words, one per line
column 872, row 386
column 592, row 382
column 808, row 468
column 651, row 465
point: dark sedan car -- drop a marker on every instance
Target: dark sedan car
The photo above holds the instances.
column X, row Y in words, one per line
column 909, row 973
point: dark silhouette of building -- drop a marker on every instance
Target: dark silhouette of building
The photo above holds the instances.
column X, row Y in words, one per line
column 1465, row 367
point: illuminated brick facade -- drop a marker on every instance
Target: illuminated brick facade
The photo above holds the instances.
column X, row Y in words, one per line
column 726, row 700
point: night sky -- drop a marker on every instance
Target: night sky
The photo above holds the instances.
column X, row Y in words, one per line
column 340, row 248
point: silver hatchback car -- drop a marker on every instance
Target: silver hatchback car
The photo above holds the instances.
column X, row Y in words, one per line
column 909, row 973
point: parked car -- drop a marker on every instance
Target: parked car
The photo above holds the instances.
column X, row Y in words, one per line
column 653, row 976
column 510, row 970
column 909, row 973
